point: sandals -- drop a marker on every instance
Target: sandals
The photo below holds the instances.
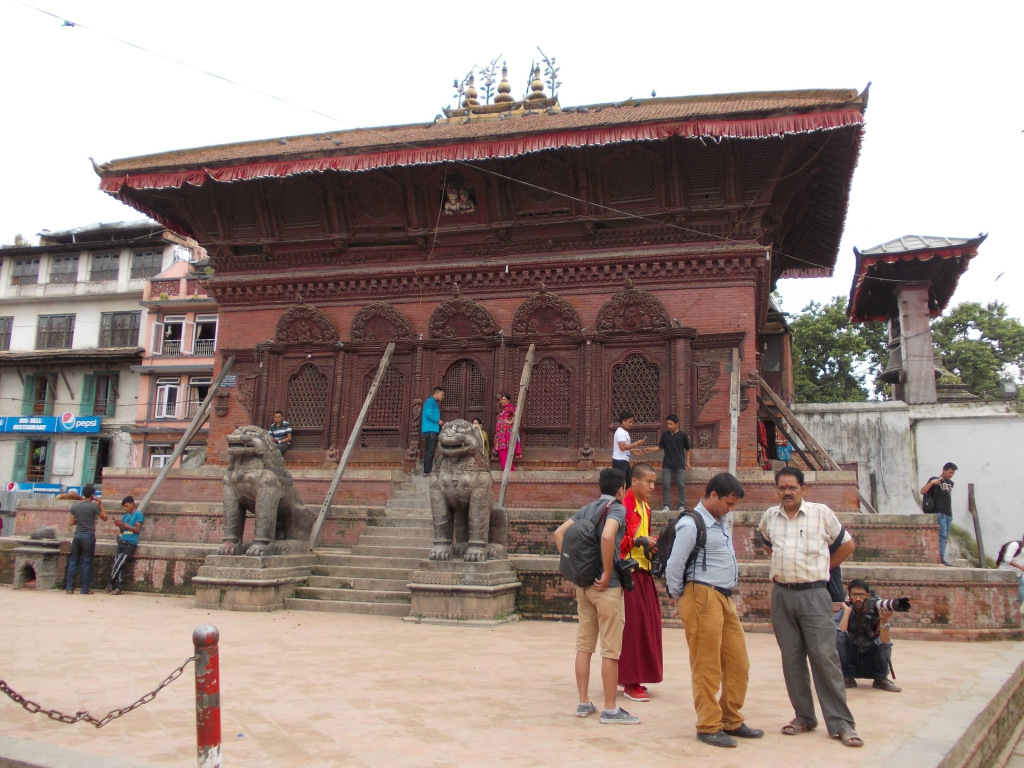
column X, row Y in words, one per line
column 850, row 738
column 796, row 725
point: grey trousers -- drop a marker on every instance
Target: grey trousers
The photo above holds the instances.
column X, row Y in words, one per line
column 804, row 630
column 666, row 486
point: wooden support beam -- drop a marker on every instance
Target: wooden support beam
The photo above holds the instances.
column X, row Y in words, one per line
column 734, row 409
column 353, row 438
column 972, row 507
column 524, row 384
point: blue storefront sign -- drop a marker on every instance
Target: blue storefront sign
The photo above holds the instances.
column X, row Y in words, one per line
column 66, row 423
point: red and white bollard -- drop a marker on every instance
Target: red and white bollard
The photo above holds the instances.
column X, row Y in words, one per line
column 205, row 638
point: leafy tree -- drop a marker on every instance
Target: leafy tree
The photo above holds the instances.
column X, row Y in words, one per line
column 20, row 241
column 981, row 345
column 832, row 357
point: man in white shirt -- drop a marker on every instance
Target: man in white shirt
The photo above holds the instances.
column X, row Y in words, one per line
column 623, row 445
column 798, row 533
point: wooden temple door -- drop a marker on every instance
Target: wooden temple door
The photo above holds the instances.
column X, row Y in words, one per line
column 464, row 392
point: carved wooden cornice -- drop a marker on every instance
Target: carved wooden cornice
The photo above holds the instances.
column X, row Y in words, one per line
column 305, row 323
column 395, row 325
column 435, row 281
column 632, row 310
column 542, row 310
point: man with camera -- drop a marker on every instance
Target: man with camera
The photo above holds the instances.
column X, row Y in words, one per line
column 600, row 607
column 863, row 641
column 703, row 580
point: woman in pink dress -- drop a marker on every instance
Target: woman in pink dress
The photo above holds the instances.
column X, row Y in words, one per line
column 503, row 430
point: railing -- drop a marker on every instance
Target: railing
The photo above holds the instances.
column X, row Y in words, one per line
column 171, row 348
column 204, row 347
column 192, row 408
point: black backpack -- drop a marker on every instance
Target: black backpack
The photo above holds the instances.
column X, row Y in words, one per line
column 581, row 561
column 667, row 537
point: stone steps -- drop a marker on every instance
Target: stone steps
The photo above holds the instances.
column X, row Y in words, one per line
column 373, row 578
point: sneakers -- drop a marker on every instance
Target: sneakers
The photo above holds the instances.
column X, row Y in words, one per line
column 636, row 693
column 618, row 716
column 586, row 710
column 886, row 685
column 665, row 508
column 717, row 739
column 682, row 508
column 849, row 682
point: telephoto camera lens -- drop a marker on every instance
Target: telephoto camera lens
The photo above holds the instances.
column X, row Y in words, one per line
column 900, row 604
column 625, row 569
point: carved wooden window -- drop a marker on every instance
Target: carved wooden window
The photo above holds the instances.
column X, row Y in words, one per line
column 757, row 158
column 383, row 425
column 636, row 387
column 705, row 174
column 244, row 219
column 546, row 415
column 300, row 207
column 464, row 388
column 307, row 407
column 633, row 177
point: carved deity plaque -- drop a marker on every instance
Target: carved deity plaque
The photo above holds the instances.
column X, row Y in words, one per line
column 545, row 313
column 381, row 322
column 459, row 318
column 632, row 310
column 305, row 323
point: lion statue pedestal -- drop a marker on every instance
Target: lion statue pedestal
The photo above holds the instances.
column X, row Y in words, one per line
column 260, row 575
column 468, row 578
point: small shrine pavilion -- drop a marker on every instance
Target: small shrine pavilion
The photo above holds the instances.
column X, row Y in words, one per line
column 906, row 282
column 635, row 243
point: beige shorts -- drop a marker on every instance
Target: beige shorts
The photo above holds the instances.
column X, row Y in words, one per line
column 602, row 614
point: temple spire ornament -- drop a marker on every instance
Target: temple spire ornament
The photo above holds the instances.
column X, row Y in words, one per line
column 504, row 89
column 474, row 104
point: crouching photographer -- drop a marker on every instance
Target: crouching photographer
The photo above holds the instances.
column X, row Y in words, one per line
column 863, row 640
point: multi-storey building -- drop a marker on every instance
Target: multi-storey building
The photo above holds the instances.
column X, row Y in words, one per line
column 180, row 338
column 70, row 324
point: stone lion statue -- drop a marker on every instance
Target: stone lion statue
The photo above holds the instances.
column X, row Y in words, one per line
column 466, row 522
column 257, row 481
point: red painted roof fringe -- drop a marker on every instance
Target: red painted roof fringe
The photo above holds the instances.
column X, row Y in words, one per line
column 734, row 129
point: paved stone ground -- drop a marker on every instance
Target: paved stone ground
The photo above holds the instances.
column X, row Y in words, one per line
column 310, row 689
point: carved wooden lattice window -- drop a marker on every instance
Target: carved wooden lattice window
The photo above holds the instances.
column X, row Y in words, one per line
column 705, row 177
column 632, row 178
column 383, row 425
column 546, row 416
column 636, row 387
column 757, row 158
column 307, row 407
column 300, row 207
column 243, row 214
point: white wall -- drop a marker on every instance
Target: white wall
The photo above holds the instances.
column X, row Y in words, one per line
column 904, row 445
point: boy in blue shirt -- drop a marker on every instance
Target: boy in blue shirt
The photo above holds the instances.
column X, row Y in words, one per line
column 130, row 524
column 430, row 425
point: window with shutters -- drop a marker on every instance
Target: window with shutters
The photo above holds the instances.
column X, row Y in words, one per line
column 169, row 335
column 96, row 457
column 55, row 331
column 206, row 335
column 166, row 406
column 99, row 394
column 146, row 263
column 39, row 394
column 6, row 326
column 198, row 389
column 25, row 272
column 120, row 329
column 38, row 465
column 105, row 266
column 64, row 269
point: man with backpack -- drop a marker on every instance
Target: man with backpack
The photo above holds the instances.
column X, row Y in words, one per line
column 701, row 574
column 599, row 604
column 939, row 490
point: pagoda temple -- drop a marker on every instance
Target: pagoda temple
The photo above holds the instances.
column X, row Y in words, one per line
column 636, row 244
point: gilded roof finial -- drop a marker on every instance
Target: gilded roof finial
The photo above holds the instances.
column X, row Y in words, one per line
column 536, row 86
column 471, row 99
column 504, row 89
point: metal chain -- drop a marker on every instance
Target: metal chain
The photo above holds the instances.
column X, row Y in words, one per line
column 55, row 714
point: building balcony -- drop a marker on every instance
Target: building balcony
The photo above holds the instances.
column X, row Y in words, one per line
column 88, row 288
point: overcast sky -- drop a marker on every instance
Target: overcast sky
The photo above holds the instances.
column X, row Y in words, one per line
column 941, row 156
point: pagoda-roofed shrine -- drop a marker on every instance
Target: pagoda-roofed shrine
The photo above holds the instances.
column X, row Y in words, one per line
column 906, row 282
column 635, row 243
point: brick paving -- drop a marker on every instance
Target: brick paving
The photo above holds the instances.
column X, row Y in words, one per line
column 310, row 689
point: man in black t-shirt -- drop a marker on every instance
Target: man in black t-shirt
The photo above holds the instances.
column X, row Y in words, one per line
column 83, row 544
column 676, row 461
column 941, row 490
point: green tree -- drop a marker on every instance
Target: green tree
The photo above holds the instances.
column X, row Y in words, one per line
column 833, row 358
column 981, row 345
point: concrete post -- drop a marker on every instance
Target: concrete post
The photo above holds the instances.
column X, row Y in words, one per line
column 918, row 352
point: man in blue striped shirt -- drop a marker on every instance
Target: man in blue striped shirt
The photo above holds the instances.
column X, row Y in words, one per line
column 704, row 585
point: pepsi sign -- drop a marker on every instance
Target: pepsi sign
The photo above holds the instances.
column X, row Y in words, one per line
column 66, row 423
